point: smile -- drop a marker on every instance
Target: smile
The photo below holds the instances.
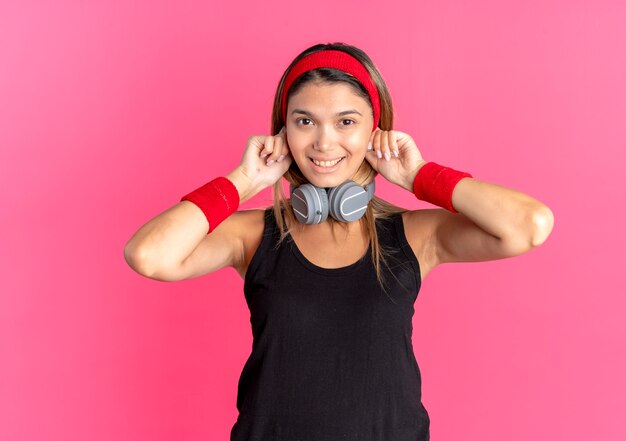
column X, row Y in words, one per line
column 326, row 163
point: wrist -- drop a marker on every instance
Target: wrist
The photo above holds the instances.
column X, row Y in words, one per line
column 243, row 184
column 410, row 178
column 218, row 199
column 435, row 184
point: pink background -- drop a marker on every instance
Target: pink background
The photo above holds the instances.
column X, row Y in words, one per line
column 111, row 111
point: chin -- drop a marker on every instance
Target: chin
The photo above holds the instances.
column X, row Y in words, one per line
column 330, row 180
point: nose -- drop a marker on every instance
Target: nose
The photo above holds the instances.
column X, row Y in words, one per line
column 324, row 139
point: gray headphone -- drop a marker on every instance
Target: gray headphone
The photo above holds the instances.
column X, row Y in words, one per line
column 346, row 203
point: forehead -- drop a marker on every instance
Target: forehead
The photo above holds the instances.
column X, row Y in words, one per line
column 326, row 96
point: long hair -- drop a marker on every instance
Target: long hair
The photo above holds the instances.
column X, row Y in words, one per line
column 377, row 208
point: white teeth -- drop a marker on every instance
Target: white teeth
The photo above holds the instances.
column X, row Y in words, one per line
column 326, row 163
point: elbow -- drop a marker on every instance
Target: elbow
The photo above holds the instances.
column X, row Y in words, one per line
column 139, row 260
column 134, row 259
column 542, row 222
column 534, row 233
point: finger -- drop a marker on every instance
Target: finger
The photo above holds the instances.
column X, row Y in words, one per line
column 370, row 145
column 394, row 145
column 284, row 151
column 393, row 142
column 268, row 146
column 389, row 145
column 285, row 154
column 282, row 134
column 376, row 143
column 384, row 145
column 277, row 150
column 371, row 158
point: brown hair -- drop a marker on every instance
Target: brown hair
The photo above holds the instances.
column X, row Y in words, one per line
column 377, row 208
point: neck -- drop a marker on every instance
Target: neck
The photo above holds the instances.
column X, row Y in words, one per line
column 339, row 229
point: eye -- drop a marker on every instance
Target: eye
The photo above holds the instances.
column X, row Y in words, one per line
column 301, row 120
column 351, row 122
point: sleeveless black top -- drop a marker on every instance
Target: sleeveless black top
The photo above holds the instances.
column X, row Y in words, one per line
column 332, row 357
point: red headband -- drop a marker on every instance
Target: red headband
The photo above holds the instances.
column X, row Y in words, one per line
column 337, row 60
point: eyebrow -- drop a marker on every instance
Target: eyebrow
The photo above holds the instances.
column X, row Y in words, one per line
column 345, row 112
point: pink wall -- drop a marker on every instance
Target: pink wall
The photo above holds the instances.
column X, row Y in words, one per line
column 111, row 111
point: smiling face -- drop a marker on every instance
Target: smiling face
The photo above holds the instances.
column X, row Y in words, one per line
column 327, row 122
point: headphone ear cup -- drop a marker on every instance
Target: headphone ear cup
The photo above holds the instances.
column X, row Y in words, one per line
column 348, row 201
column 310, row 203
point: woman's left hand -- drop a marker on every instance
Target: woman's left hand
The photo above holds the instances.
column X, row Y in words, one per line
column 404, row 160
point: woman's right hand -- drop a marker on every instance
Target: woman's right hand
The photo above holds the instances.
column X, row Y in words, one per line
column 266, row 159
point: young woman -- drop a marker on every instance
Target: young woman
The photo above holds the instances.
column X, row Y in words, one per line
column 332, row 272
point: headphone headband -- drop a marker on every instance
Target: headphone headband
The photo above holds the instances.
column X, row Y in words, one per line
column 336, row 60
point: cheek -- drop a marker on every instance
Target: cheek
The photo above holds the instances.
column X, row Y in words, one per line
column 359, row 142
column 294, row 143
column 296, row 140
column 363, row 135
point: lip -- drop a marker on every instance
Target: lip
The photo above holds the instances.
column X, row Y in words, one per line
column 324, row 159
column 324, row 170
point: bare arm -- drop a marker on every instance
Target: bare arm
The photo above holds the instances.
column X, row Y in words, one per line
column 160, row 247
column 175, row 245
column 518, row 220
column 494, row 222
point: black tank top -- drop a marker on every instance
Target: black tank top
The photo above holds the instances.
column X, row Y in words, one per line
column 332, row 357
